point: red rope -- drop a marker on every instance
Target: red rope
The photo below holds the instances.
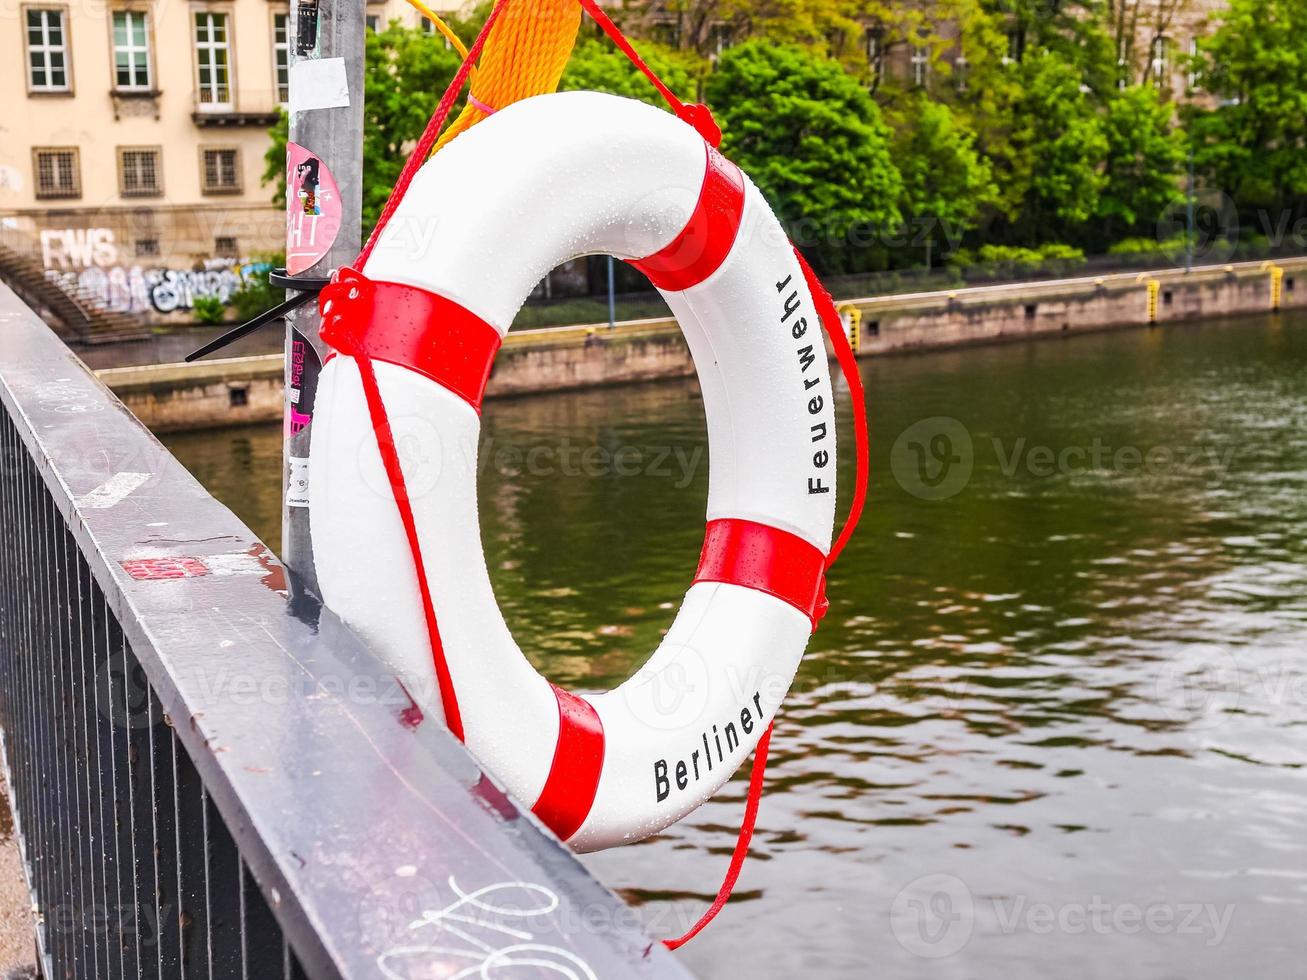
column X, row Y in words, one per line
column 376, row 405
column 741, row 843
column 701, row 119
column 390, row 459
column 830, row 321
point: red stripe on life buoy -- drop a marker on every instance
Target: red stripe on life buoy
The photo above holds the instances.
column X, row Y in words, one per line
column 705, row 241
column 573, row 779
column 414, row 328
column 758, row 556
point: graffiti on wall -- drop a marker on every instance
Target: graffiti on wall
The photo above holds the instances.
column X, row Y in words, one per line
column 86, row 261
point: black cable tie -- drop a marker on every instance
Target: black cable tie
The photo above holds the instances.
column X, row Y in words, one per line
column 278, row 279
column 308, row 289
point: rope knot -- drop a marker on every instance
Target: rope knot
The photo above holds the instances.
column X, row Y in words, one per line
column 701, row 118
column 339, row 303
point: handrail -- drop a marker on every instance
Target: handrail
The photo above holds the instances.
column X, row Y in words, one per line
column 365, row 828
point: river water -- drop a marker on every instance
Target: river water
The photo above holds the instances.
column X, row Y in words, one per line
column 1055, row 723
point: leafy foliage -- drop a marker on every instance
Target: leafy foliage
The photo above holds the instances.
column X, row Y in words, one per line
column 598, row 66
column 1253, row 143
column 209, row 310
column 1054, row 161
column 1027, row 123
column 946, row 182
column 812, row 139
column 1145, row 156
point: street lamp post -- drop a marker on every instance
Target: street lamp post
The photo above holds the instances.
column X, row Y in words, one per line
column 324, row 195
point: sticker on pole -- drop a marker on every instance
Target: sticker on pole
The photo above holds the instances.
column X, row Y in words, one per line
column 302, row 370
column 313, row 212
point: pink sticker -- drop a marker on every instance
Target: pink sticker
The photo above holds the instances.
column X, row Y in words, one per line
column 312, row 209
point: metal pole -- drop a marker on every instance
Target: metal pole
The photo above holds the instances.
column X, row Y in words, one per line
column 612, row 296
column 324, row 195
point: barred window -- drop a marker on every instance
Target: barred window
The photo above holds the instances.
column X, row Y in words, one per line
column 281, row 55
column 920, row 64
column 139, row 171
column 147, row 248
column 131, row 50
column 58, row 174
column 224, row 247
column 221, row 172
column 1016, row 46
column 213, row 58
column 1161, row 61
column 47, row 51
column 875, row 43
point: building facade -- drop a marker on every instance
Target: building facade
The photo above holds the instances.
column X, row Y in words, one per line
column 133, row 138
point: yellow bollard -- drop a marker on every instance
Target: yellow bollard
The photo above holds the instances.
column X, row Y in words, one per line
column 852, row 319
column 1277, row 283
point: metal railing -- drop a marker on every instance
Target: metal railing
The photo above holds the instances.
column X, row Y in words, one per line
column 210, row 776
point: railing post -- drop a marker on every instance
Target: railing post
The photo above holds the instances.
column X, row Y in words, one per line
column 324, row 194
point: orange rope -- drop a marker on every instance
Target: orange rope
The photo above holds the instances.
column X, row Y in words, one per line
column 525, row 56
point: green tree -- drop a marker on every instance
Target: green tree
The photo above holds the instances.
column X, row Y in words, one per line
column 1078, row 34
column 946, row 182
column 1253, row 143
column 812, row 139
column 1145, row 156
column 1052, row 169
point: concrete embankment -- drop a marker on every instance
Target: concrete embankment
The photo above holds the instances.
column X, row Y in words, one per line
column 249, row 389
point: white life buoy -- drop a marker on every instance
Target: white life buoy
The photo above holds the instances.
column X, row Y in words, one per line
column 540, row 182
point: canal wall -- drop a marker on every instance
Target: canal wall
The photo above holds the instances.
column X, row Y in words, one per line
column 985, row 314
column 242, row 390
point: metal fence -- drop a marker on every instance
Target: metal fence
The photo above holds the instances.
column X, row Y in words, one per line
column 211, row 777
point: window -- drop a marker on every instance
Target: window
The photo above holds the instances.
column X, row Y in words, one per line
column 1161, row 64
column 131, row 51
column 147, row 248
column 720, row 38
column 224, row 246
column 281, row 55
column 1016, row 46
column 221, row 172
column 47, row 51
column 1194, row 75
column 875, row 41
column 962, row 71
column 58, row 174
column 138, row 171
column 668, row 33
column 427, row 26
column 373, row 23
column 920, row 64
column 213, row 59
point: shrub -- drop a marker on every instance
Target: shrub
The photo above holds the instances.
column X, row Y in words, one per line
column 209, row 310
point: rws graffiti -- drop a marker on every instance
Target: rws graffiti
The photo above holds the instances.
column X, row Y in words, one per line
column 86, row 261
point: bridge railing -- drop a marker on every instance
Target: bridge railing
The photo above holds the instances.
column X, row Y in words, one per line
column 210, row 776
